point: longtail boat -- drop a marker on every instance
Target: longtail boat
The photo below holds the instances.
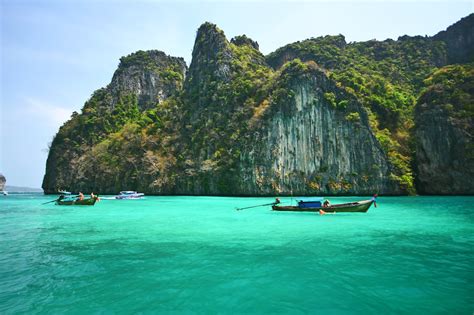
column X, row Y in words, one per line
column 77, row 202
column 316, row 205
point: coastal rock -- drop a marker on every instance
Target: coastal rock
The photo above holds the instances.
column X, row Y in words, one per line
column 3, row 181
column 459, row 39
column 244, row 40
column 332, row 45
column 142, row 82
column 309, row 147
column 151, row 76
column 303, row 145
column 320, row 116
column 444, row 133
column 210, row 66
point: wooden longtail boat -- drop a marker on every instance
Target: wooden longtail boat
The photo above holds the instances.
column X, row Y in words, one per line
column 359, row 206
column 76, row 202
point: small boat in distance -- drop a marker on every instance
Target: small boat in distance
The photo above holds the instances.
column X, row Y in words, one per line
column 5, row 193
column 63, row 192
column 317, row 205
column 129, row 194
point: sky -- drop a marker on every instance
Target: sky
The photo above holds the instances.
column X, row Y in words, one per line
column 54, row 54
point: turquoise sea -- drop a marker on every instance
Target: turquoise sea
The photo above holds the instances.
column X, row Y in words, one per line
column 199, row 255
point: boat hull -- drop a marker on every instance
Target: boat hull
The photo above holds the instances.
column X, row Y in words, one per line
column 129, row 195
column 74, row 202
column 361, row 206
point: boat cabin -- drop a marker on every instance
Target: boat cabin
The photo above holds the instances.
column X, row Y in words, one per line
column 310, row 202
column 128, row 192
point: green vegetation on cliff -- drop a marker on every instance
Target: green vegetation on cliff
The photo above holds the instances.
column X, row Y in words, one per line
column 452, row 87
column 385, row 76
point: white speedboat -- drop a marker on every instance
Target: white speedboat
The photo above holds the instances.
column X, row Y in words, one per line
column 128, row 194
column 5, row 193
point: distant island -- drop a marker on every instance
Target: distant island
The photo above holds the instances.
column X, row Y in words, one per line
column 8, row 188
column 14, row 189
column 3, row 180
column 316, row 117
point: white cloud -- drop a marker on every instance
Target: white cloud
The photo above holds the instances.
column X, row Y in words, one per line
column 51, row 114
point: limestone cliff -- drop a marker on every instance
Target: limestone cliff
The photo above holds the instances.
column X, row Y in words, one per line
column 142, row 80
column 150, row 75
column 297, row 142
column 307, row 146
column 459, row 39
column 445, row 132
column 320, row 116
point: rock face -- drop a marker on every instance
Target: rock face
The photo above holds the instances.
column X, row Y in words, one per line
column 310, row 147
column 442, row 164
column 244, row 40
column 150, row 75
column 459, row 39
column 320, row 116
column 444, row 133
column 142, row 80
column 302, row 145
column 210, row 65
column 292, row 51
column 3, row 181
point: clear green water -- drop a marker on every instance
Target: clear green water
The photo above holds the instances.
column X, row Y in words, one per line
column 199, row 255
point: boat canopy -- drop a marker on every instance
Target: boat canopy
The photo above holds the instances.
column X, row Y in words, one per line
column 310, row 199
column 310, row 202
